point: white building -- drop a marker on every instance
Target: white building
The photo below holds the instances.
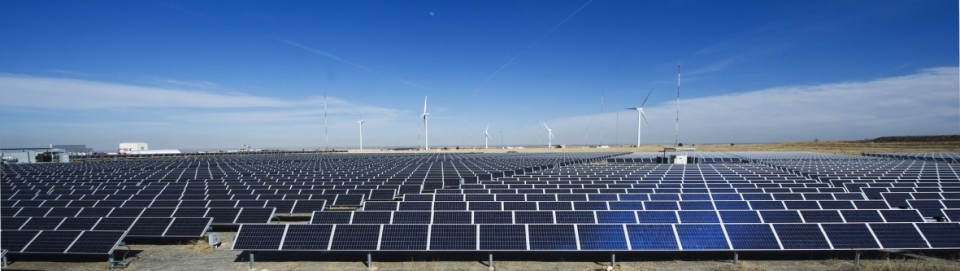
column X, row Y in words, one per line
column 132, row 147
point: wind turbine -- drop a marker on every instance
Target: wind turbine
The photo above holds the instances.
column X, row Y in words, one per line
column 486, row 137
column 641, row 116
column 426, row 128
column 326, row 130
column 549, row 135
column 361, row 131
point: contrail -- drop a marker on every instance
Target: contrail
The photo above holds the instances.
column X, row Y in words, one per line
column 344, row 61
column 544, row 36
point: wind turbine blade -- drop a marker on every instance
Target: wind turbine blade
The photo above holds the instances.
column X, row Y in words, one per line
column 647, row 98
column 424, row 105
column 644, row 115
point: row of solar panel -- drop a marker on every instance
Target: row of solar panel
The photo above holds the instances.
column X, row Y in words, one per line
column 221, row 216
column 634, row 197
column 150, row 195
column 61, row 241
column 191, row 227
column 608, row 237
column 282, row 206
column 666, row 205
column 614, row 217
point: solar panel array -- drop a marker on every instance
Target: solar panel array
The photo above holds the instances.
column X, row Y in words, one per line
column 777, row 201
column 89, row 207
column 951, row 157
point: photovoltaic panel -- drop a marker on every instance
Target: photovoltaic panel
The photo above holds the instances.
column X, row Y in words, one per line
column 552, row 237
column 452, row 217
column 158, row 212
column 188, row 227
column 801, row 236
column 16, row 240
column 657, row 217
column 12, row 223
column 95, row 212
column 96, row 242
column 739, row 216
column 503, row 237
column 150, row 226
column 698, row 217
column 602, row 237
column 575, row 217
column 701, row 236
column 453, row 237
column 259, row 237
column 331, row 217
column 533, row 217
column 307, row 237
column 732, row 205
column 941, row 235
column 850, row 236
column 450, row 206
column 898, row 235
column 126, row 212
column 255, row 215
column 821, row 216
column 52, row 242
column 652, row 237
column 355, row 237
column 780, row 217
column 861, row 216
column 372, row 218
column 901, row 215
column 114, row 224
column 751, row 236
column 63, row 212
column 411, row 217
column 42, row 223
column 223, row 215
column 78, row 223
column 415, row 206
column 616, row 217
column 404, row 237
column 190, row 212
column 493, row 217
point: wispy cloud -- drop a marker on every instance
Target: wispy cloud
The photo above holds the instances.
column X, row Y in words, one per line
column 925, row 102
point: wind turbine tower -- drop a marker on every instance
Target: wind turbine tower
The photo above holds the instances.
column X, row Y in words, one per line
column 426, row 127
column 549, row 135
column 361, row 131
column 641, row 116
column 486, row 137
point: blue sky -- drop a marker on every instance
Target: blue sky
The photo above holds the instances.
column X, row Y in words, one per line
column 210, row 74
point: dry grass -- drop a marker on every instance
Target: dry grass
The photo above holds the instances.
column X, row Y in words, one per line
column 200, row 246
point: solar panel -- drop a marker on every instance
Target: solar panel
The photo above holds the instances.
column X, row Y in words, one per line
column 493, row 217
column 16, row 240
column 255, row 215
column 114, row 224
column 898, row 235
column 657, row 217
column 307, row 237
column 355, row 237
column 534, row 217
column 96, row 242
column 801, row 236
column 453, row 237
column 259, row 237
column 739, row 216
column 52, row 242
column 78, row 223
column 941, row 235
column 412, row 217
column 701, row 236
column 901, row 215
column 503, row 237
column 371, row 218
column 698, row 217
column 780, row 217
column 331, row 217
column 575, row 217
column 404, row 237
column 42, row 223
column 850, row 236
column 616, row 217
column 552, row 237
column 223, row 215
column 452, row 217
column 652, row 237
column 188, row 227
column 821, row 216
column 150, row 226
column 602, row 237
column 861, row 216
column 751, row 236
column 12, row 223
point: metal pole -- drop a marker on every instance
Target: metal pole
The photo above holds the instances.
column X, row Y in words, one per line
column 490, row 265
column 613, row 260
column 857, row 258
column 251, row 260
column 369, row 262
column 736, row 257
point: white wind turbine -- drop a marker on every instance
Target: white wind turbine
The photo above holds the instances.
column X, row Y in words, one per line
column 486, row 137
column 361, row 131
column 426, row 128
column 641, row 116
column 549, row 135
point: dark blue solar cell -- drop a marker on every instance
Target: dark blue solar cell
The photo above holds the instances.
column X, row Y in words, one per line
column 589, row 205
column 756, row 196
column 602, row 237
column 415, row 206
column 561, row 205
column 767, row 205
column 575, row 217
column 259, row 237
column 12, row 223
column 660, row 205
column 404, row 237
column 801, row 236
column 355, row 237
column 901, row 215
column 552, row 237
column 450, row 206
column 493, row 217
column 380, row 206
column 664, row 196
column 43, row 223
column 52, row 242
column 652, row 237
column 851, row 236
column 626, row 205
column 731, row 205
column 534, row 217
column 485, row 206
column 871, row 204
column 412, row 217
column 952, row 214
column 520, row 206
column 751, row 236
column 898, row 235
column 657, row 216
column 78, row 223
column 696, row 205
column 861, row 215
column 307, row 237
column 331, row 217
column 371, row 217
column 452, row 217
column 836, row 205
column 941, row 235
column 780, row 217
column 698, row 217
column 821, row 216
column 739, row 217
column 725, row 196
column 96, row 242
column 801, row 205
column 616, row 217
column 453, row 237
column 15, row 241
column 503, row 237
column 701, row 236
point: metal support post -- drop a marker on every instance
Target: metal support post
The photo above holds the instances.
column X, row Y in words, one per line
column 736, row 257
column 857, row 258
column 490, row 262
column 369, row 261
column 613, row 260
column 251, row 260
